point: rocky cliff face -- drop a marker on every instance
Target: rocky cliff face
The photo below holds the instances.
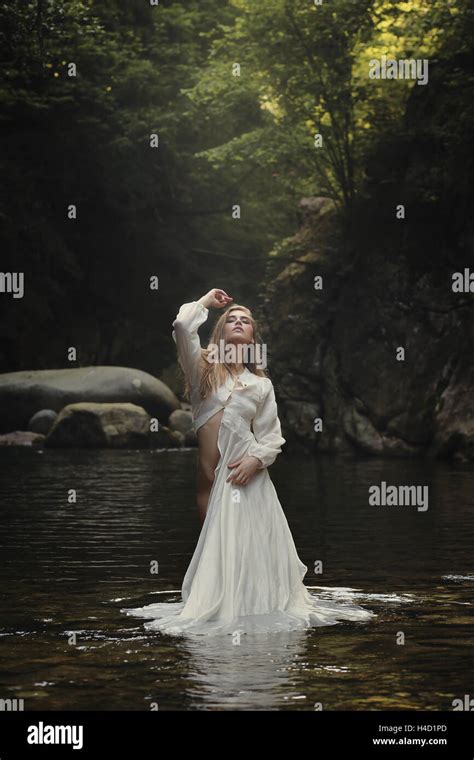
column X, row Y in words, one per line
column 333, row 351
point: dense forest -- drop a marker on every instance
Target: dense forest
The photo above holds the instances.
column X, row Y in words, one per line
column 155, row 150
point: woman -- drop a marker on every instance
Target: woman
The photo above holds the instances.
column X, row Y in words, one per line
column 245, row 575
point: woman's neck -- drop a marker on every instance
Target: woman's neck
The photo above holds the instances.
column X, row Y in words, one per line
column 236, row 369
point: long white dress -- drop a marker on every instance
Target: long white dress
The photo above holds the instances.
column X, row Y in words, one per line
column 245, row 574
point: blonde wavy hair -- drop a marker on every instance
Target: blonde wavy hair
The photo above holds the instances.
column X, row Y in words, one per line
column 214, row 374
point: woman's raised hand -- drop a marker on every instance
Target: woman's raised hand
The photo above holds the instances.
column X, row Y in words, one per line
column 215, row 299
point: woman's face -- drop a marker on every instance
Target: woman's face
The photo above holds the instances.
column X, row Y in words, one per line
column 238, row 327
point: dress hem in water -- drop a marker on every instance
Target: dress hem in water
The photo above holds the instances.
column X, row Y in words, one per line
column 166, row 617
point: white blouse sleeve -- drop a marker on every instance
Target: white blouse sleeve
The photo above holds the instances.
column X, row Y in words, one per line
column 267, row 430
column 185, row 335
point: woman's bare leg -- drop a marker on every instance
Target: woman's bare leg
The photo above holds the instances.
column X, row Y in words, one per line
column 209, row 456
column 204, row 486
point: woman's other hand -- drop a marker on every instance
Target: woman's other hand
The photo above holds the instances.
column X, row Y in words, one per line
column 245, row 469
column 215, row 299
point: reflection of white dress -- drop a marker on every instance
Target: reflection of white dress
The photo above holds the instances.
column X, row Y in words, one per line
column 245, row 574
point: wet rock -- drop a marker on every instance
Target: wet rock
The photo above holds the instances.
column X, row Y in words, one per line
column 42, row 421
column 165, row 438
column 190, row 438
column 21, row 438
column 454, row 419
column 91, row 425
column 181, row 421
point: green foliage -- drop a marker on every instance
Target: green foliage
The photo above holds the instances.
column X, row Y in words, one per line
column 227, row 137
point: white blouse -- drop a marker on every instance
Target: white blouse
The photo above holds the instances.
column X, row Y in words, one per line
column 255, row 403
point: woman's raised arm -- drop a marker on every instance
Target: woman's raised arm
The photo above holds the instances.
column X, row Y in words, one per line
column 185, row 330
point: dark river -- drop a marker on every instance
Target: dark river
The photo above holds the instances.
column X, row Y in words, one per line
column 68, row 568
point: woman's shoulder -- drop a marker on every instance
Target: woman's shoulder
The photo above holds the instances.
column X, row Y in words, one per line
column 263, row 380
column 264, row 385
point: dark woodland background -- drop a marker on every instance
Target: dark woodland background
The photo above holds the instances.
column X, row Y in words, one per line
column 248, row 140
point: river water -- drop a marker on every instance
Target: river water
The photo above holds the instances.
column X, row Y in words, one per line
column 67, row 568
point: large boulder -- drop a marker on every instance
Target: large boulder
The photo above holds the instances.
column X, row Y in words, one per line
column 24, row 393
column 90, row 425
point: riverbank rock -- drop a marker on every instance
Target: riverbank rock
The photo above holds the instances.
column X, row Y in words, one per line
column 24, row 393
column 21, row 438
column 42, row 421
column 181, row 420
column 165, row 438
column 181, row 423
column 90, row 425
column 190, row 438
column 454, row 421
